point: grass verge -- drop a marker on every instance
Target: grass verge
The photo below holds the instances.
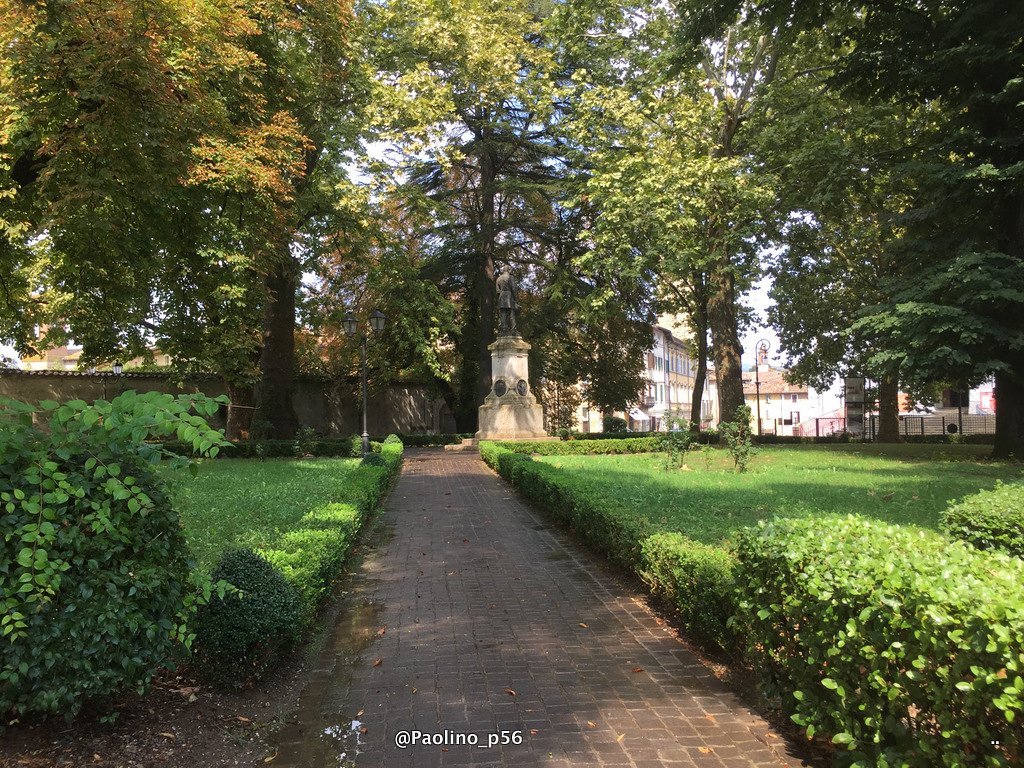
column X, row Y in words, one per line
column 280, row 530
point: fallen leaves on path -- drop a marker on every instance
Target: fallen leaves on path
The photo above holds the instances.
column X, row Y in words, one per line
column 585, row 626
column 510, row 692
column 637, row 669
column 378, row 662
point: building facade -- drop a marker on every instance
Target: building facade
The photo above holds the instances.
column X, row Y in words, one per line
column 668, row 391
column 779, row 405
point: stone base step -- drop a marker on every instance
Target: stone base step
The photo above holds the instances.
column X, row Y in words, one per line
column 467, row 444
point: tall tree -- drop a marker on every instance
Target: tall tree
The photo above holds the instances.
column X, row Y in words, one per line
column 667, row 166
column 842, row 176
column 955, row 311
column 137, row 136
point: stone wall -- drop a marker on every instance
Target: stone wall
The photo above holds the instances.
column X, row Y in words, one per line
column 329, row 407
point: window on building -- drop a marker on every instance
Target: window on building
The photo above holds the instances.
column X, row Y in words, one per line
column 795, row 398
column 794, row 417
column 767, row 399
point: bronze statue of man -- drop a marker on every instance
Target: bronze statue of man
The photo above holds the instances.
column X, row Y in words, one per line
column 506, row 285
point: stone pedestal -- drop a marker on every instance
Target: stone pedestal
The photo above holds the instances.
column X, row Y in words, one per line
column 510, row 411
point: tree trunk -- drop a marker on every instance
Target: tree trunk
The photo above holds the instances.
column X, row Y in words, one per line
column 1009, row 417
column 277, row 364
column 700, row 376
column 240, row 411
column 485, row 274
column 888, row 410
column 1010, row 386
column 725, row 342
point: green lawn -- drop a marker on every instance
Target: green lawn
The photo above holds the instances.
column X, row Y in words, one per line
column 909, row 484
column 244, row 503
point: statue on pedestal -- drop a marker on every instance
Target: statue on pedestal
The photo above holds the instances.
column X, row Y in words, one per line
column 506, row 286
column 510, row 411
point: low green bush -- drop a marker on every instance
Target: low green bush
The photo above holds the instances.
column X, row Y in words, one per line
column 430, row 440
column 903, row 648
column 605, row 525
column 276, row 449
column 584, row 447
column 989, row 519
column 708, row 436
column 737, row 437
column 94, row 569
column 697, row 580
column 242, row 633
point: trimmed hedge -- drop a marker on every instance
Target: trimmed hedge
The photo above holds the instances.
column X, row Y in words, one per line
column 695, row 578
column 990, row 519
column 698, row 580
column 706, row 437
column 243, row 633
column 273, row 449
column 843, row 437
column 582, row 447
column 320, row 446
column 308, row 559
column 311, row 556
column 903, row 648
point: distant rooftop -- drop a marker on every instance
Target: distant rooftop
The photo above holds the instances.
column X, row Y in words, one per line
column 772, row 382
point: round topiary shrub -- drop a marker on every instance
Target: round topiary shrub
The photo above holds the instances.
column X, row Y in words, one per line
column 374, row 460
column 392, row 440
column 239, row 635
column 94, row 569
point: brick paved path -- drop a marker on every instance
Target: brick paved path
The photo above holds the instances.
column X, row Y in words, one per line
column 479, row 596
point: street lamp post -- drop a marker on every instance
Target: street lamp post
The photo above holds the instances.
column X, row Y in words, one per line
column 761, row 350
column 116, row 369
column 351, row 325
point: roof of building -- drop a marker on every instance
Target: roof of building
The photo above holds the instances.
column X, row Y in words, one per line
column 87, row 375
column 772, row 382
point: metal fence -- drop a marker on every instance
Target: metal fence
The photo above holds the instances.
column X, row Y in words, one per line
column 910, row 425
column 822, row 426
column 935, row 424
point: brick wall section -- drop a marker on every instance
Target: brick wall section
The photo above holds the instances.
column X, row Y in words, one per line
column 329, row 407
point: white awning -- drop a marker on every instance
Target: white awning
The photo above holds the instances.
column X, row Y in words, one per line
column 637, row 415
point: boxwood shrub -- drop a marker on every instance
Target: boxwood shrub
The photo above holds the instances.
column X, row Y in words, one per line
column 698, row 582
column 584, row 447
column 241, row 634
column 903, row 648
column 990, row 519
